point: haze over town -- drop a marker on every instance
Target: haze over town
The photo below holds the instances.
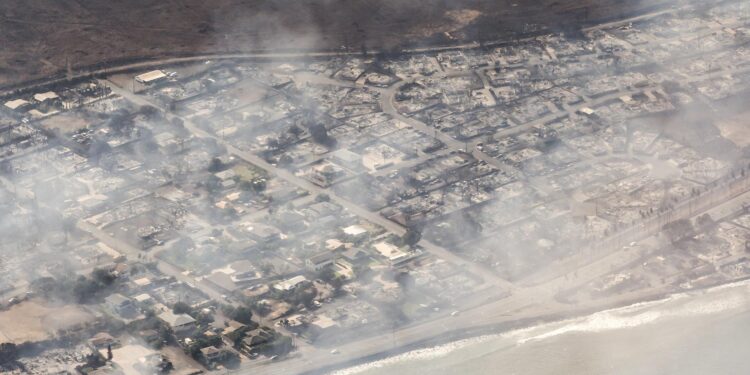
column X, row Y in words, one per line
column 308, row 200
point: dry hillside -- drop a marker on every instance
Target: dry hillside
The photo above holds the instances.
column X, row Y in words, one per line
column 42, row 36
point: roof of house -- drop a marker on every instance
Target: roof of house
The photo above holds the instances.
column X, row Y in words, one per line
column 324, row 208
column 586, row 110
column 108, row 370
column 323, row 257
column 232, row 325
column 253, row 340
column 102, row 338
column 323, row 322
column 143, row 297
column 353, row 254
column 151, row 76
column 176, row 320
column 120, row 268
column 45, row 96
column 389, row 250
column 222, row 280
column 354, row 230
column 148, row 333
column 226, row 174
column 262, row 231
column 210, row 350
column 245, row 244
column 13, row 104
column 290, row 283
column 256, row 337
column 334, row 244
column 143, row 281
column 347, row 156
column 117, row 299
column 242, row 266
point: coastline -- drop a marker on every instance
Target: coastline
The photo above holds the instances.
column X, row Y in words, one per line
column 492, row 329
column 494, row 317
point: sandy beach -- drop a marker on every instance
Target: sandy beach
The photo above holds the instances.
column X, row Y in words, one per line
column 501, row 317
column 696, row 332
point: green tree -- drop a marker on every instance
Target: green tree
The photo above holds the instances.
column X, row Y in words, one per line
column 149, row 111
column 8, row 353
column 103, row 277
column 121, row 121
column 94, row 360
column 279, row 345
column 243, row 315
column 304, row 296
column 181, row 308
column 411, row 237
column 216, row 165
column 69, row 225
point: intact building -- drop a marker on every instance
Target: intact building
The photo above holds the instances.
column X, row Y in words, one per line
column 151, row 77
column 180, row 323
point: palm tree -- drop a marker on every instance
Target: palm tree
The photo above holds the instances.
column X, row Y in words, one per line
column 68, row 226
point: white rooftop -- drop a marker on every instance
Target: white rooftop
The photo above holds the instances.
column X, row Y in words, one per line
column 176, row 320
column 389, row 250
column 13, row 104
column 290, row 283
column 151, row 76
column 323, row 322
column 142, row 297
column 355, row 230
column 586, row 110
column 49, row 95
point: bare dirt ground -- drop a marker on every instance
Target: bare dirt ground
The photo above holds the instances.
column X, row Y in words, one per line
column 128, row 357
column 65, row 123
column 32, row 321
column 735, row 129
column 42, row 37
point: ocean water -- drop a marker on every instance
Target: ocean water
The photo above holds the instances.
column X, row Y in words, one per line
column 697, row 333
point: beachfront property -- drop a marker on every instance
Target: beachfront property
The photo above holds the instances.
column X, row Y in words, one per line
column 322, row 202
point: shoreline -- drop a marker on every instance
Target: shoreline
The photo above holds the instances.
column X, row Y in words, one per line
column 493, row 318
column 516, row 324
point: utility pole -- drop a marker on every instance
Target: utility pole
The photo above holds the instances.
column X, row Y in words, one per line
column 69, row 68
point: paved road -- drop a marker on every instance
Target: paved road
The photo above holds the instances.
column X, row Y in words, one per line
column 161, row 62
column 132, row 252
column 260, row 56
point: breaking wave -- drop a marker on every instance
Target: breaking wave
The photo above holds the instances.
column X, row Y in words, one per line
column 675, row 306
column 705, row 302
column 418, row 354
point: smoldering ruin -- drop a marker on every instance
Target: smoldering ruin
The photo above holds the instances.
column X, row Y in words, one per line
column 298, row 212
